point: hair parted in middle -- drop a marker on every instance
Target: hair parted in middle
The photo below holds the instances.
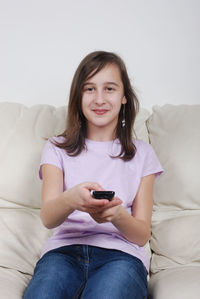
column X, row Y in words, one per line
column 75, row 132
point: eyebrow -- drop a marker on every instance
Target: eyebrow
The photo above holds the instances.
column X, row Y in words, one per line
column 109, row 82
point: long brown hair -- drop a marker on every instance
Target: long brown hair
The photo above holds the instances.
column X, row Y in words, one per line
column 75, row 132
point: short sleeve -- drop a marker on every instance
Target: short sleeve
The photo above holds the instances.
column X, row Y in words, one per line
column 151, row 163
column 50, row 155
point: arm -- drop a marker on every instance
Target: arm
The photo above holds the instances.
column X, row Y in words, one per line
column 58, row 205
column 53, row 208
column 136, row 227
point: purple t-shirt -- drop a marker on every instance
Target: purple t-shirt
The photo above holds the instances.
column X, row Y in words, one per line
column 95, row 165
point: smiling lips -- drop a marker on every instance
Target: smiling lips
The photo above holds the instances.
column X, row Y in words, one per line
column 100, row 111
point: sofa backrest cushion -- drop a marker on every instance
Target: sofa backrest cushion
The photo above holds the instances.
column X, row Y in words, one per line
column 23, row 131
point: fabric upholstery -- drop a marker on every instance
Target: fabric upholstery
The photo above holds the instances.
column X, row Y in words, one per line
column 174, row 132
column 12, row 283
column 176, row 283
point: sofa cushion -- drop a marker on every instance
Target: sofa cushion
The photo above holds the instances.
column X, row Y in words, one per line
column 175, row 241
column 22, row 237
column 174, row 133
column 177, row 283
column 22, row 133
column 12, row 283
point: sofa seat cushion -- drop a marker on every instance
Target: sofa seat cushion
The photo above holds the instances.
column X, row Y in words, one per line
column 175, row 241
column 12, row 283
column 176, row 283
column 22, row 237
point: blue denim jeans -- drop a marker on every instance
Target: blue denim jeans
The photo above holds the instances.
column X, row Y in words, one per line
column 87, row 272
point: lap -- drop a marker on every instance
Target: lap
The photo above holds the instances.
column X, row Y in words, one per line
column 95, row 272
column 122, row 276
column 56, row 275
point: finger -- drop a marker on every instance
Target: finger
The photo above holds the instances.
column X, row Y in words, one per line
column 93, row 186
column 96, row 203
column 96, row 218
column 114, row 202
column 107, row 205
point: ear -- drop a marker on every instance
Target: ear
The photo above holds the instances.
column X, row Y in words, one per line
column 124, row 100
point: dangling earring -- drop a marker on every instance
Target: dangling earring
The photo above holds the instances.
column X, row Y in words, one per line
column 123, row 116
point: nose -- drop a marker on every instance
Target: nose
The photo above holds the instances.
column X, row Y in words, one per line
column 99, row 97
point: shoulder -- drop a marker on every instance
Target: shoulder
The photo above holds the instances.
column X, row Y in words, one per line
column 51, row 146
column 142, row 146
column 57, row 140
column 54, row 142
column 148, row 158
column 52, row 154
column 144, row 150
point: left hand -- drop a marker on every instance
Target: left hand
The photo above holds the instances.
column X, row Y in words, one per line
column 107, row 214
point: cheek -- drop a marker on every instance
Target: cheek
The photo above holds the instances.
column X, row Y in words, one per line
column 86, row 101
column 116, row 103
column 85, row 104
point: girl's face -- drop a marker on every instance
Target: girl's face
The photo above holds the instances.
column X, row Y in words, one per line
column 103, row 95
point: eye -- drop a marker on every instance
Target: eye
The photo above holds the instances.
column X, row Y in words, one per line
column 88, row 89
column 108, row 88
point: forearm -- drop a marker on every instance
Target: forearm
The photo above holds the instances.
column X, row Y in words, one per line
column 55, row 211
column 134, row 230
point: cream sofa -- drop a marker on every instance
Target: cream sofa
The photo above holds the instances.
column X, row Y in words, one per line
column 173, row 131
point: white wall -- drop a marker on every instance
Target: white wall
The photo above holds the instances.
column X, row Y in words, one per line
column 43, row 41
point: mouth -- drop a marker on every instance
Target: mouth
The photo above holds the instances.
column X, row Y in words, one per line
column 100, row 111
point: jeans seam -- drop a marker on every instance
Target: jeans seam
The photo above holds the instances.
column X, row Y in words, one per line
column 79, row 291
column 86, row 260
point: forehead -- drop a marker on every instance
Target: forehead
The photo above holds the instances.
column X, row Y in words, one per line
column 109, row 73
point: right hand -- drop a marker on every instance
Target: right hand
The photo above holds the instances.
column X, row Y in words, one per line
column 82, row 200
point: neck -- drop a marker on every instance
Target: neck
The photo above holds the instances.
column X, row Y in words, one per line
column 100, row 135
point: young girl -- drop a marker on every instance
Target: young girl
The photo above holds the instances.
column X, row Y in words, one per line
column 96, row 250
